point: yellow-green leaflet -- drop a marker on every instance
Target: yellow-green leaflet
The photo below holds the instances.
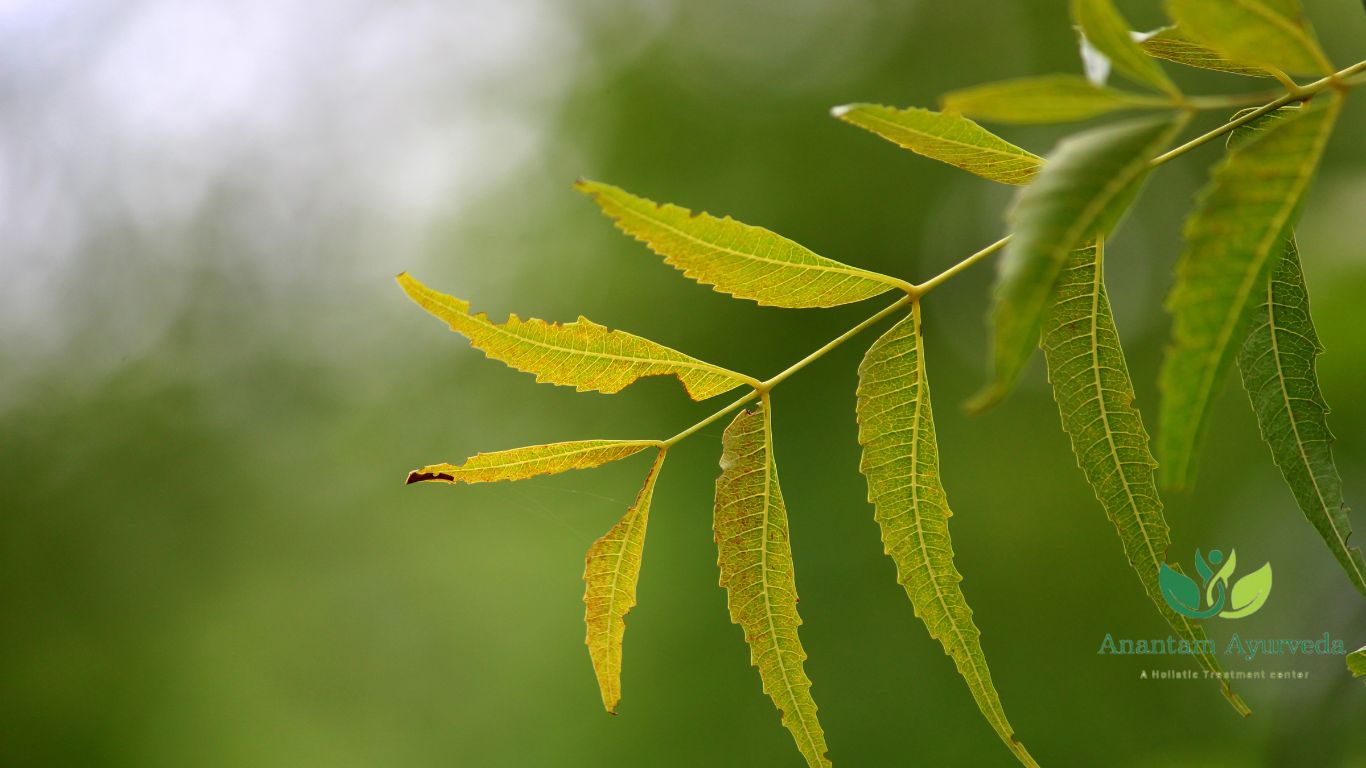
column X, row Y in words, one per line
column 1233, row 240
column 1168, row 43
column 1267, row 33
column 901, row 463
column 738, row 259
column 610, row 573
column 951, row 139
column 1356, row 663
column 755, row 556
column 1108, row 32
column 1046, row 99
column 582, row 354
column 1277, row 363
column 1081, row 194
column 521, row 463
column 1091, row 383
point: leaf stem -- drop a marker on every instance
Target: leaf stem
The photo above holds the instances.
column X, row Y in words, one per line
column 1300, row 93
column 934, row 282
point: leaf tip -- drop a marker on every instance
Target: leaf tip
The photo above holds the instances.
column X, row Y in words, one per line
column 425, row 474
column 839, row 112
column 985, row 399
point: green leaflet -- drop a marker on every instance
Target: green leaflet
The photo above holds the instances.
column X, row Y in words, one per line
column 1046, row 99
column 1277, row 363
column 755, row 557
column 610, row 573
column 1168, row 43
column 1356, row 663
column 1233, row 240
column 521, row 463
column 901, row 462
column 1268, row 33
column 951, row 139
column 1095, row 397
column 1108, row 32
column 744, row 261
column 1081, row 194
column 582, row 354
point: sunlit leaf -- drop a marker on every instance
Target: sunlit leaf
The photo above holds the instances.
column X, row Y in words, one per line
column 1233, row 241
column 610, row 574
column 951, row 139
column 1081, row 194
column 1108, row 32
column 1270, row 33
column 744, row 261
column 1249, row 593
column 1168, row 43
column 582, row 354
column 1277, row 364
column 1356, row 663
column 755, row 556
column 901, row 463
column 1046, row 99
column 1090, row 380
column 521, row 463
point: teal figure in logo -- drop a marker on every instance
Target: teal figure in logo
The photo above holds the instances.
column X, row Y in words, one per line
column 1207, row 598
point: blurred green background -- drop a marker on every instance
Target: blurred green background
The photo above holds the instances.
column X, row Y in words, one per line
column 211, row 390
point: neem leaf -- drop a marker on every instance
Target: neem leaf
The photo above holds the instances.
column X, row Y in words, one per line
column 1106, row 30
column 521, row 463
column 582, row 354
column 1277, row 364
column 901, row 463
column 755, row 556
column 951, row 139
column 1168, row 43
column 1269, row 33
column 1095, row 397
column 1356, row 663
column 1046, row 99
column 1233, row 241
column 610, row 573
column 744, row 261
column 1081, row 194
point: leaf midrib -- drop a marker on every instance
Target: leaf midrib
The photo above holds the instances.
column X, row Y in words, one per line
column 797, row 714
column 832, row 267
column 1295, row 429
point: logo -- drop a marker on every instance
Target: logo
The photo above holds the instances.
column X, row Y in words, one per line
column 1243, row 598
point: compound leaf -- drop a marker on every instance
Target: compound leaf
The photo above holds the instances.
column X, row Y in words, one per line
column 1356, row 663
column 1277, row 364
column 1080, row 195
column 1233, row 240
column 755, row 556
column 1107, row 31
column 582, row 354
column 1168, row 43
column 610, row 574
column 1269, row 33
column 521, row 463
column 1095, row 397
column 951, row 139
column 901, row 463
column 738, row 259
column 1046, row 99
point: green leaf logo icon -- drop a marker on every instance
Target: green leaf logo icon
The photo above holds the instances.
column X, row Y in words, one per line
column 1244, row 596
column 1249, row 593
